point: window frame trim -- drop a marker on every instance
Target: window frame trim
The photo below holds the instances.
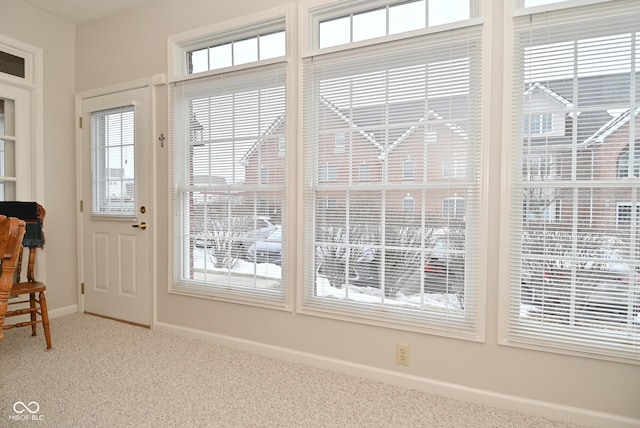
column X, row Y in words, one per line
column 282, row 18
column 313, row 15
column 509, row 198
column 33, row 82
column 308, row 39
column 626, row 152
column 453, row 202
column 521, row 10
column 221, row 292
column 630, row 205
column 178, row 45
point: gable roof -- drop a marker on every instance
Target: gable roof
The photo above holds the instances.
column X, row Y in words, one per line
column 350, row 122
column 610, row 127
column 267, row 133
column 594, row 126
column 395, row 112
column 596, row 94
column 550, row 93
column 455, row 128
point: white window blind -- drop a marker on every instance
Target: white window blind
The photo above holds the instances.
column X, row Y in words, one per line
column 366, row 256
column 228, row 184
column 113, row 178
column 574, row 271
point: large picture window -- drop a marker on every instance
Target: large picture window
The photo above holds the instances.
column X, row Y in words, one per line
column 229, row 141
column 575, row 273
column 402, row 108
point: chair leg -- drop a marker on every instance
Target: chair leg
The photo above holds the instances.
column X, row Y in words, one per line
column 32, row 304
column 45, row 319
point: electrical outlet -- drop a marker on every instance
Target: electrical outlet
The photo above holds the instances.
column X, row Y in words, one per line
column 403, row 354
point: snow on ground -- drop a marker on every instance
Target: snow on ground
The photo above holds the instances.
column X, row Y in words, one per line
column 375, row 295
column 371, row 295
column 267, row 275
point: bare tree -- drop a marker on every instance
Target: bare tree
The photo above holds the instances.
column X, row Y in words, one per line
column 402, row 256
column 538, row 202
column 221, row 237
column 341, row 247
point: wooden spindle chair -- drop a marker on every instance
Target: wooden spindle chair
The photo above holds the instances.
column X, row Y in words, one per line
column 11, row 233
column 31, row 291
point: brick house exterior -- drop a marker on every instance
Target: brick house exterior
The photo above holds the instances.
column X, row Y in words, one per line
column 602, row 137
column 419, row 149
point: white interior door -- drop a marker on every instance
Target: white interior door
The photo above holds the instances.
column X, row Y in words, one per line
column 116, row 240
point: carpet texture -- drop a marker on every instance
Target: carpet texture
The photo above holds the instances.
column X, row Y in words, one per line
column 102, row 373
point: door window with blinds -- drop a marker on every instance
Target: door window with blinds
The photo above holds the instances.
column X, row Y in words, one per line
column 390, row 183
column 574, row 231
column 228, row 156
column 113, row 178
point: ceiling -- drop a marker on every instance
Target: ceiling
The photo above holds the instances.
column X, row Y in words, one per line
column 80, row 11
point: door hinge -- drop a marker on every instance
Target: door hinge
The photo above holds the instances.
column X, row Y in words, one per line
column 81, row 206
column 82, row 288
column 80, row 122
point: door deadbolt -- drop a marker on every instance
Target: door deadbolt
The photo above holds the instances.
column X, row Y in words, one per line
column 142, row 225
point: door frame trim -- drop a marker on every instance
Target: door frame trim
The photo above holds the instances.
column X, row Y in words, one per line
column 151, row 84
column 33, row 82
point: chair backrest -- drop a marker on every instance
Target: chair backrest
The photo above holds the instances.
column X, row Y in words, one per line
column 11, row 234
column 33, row 215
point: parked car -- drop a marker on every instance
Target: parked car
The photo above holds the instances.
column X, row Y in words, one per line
column 616, row 294
column 263, row 228
column 267, row 250
column 244, row 232
column 613, row 301
column 598, row 285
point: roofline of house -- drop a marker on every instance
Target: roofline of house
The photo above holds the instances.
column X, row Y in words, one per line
column 609, row 128
column 270, row 130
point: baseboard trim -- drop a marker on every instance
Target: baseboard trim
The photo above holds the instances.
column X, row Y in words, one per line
column 60, row 312
column 459, row 392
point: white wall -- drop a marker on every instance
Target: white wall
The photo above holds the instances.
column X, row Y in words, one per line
column 56, row 38
column 132, row 45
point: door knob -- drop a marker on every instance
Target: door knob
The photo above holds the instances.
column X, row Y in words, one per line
column 142, row 225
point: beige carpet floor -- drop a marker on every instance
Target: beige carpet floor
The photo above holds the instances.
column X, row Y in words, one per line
column 102, row 373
